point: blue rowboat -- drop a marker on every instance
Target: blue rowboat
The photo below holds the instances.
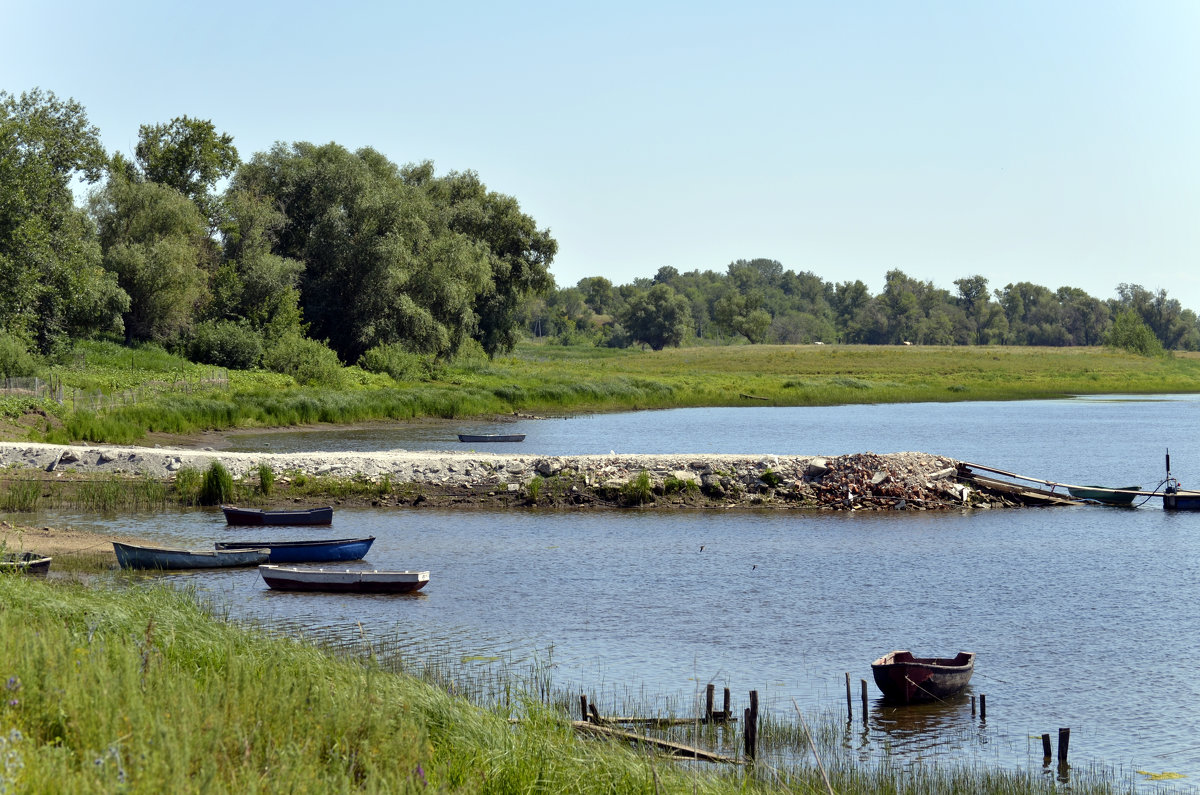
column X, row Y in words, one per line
column 257, row 516
column 321, row 551
column 135, row 556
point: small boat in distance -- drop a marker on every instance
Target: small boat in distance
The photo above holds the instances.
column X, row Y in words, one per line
column 302, row 578
column 1118, row 497
column 136, row 556
column 491, row 437
column 258, row 516
column 904, row 678
column 323, row 551
column 24, row 563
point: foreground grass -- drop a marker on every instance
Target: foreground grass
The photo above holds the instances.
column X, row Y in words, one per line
column 140, row 689
column 164, row 394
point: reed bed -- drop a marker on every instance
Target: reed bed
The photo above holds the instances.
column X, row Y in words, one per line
column 140, row 688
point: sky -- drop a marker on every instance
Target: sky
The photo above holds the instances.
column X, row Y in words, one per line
column 1049, row 141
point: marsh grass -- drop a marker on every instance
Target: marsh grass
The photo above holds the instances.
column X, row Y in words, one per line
column 141, row 689
column 552, row 379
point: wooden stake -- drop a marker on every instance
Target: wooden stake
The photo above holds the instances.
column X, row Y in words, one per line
column 728, row 714
column 864, row 700
column 708, row 702
column 583, row 707
column 1064, row 740
column 1046, row 748
column 982, row 706
column 972, row 706
column 751, row 730
column 849, row 700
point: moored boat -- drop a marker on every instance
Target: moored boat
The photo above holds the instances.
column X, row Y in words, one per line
column 25, row 563
column 1117, row 497
column 1174, row 497
column 137, row 556
column 259, row 516
column 902, row 677
column 303, row 578
column 491, row 437
column 321, row 551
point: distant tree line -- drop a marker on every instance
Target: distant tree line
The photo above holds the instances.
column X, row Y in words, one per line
column 758, row 301
column 311, row 257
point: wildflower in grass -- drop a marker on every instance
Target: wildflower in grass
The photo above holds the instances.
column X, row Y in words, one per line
column 13, row 683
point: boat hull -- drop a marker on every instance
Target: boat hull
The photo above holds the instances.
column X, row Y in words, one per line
column 134, row 556
column 904, row 678
column 25, row 563
column 492, row 437
column 1119, row 497
column 281, row 578
column 328, row 551
column 1181, row 500
column 257, row 516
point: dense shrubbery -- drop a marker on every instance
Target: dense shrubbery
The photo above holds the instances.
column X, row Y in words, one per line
column 15, row 359
column 226, row 344
column 397, row 362
column 307, row 361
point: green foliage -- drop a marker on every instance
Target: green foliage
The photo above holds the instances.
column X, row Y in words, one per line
column 226, row 344
column 400, row 364
column 771, row 478
column 189, row 156
column 216, row 486
column 51, row 283
column 155, row 241
column 15, row 359
column 638, row 490
column 534, row 489
column 658, row 317
column 1129, row 332
column 266, row 479
column 306, row 360
column 21, row 496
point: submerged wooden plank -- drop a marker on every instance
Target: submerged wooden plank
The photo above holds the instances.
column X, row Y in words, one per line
column 675, row 749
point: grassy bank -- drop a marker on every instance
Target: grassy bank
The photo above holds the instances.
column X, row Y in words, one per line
column 152, row 392
column 139, row 689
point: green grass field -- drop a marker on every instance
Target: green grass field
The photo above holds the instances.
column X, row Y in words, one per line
column 148, row 390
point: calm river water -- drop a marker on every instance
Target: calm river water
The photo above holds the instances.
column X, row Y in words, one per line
column 1082, row 617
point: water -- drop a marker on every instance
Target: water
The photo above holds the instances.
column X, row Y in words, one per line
column 1080, row 617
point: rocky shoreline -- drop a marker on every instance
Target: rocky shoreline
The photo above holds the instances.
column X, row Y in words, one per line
column 862, row 481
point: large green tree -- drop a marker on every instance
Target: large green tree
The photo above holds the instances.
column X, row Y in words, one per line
column 658, row 317
column 156, row 242
column 51, row 284
column 382, row 265
column 518, row 253
column 190, row 156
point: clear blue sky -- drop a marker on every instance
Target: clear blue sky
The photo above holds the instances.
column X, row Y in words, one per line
column 1042, row 141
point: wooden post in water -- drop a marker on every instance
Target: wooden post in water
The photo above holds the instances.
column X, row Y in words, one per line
column 751, row 730
column 982, row 706
column 1064, row 740
column 849, row 699
column 972, row 706
column 728, row 714
column 1046, row 748
column 708, row 702
column 583, row 707
column 864, row 700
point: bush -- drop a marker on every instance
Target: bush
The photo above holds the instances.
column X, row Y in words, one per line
column 15, row 359
column 226, row 344
column 1129, row 332
column 399, row 363
column 307, row 361
column 217, row 485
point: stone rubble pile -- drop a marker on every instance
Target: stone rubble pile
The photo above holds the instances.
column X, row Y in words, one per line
column 850, row 482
